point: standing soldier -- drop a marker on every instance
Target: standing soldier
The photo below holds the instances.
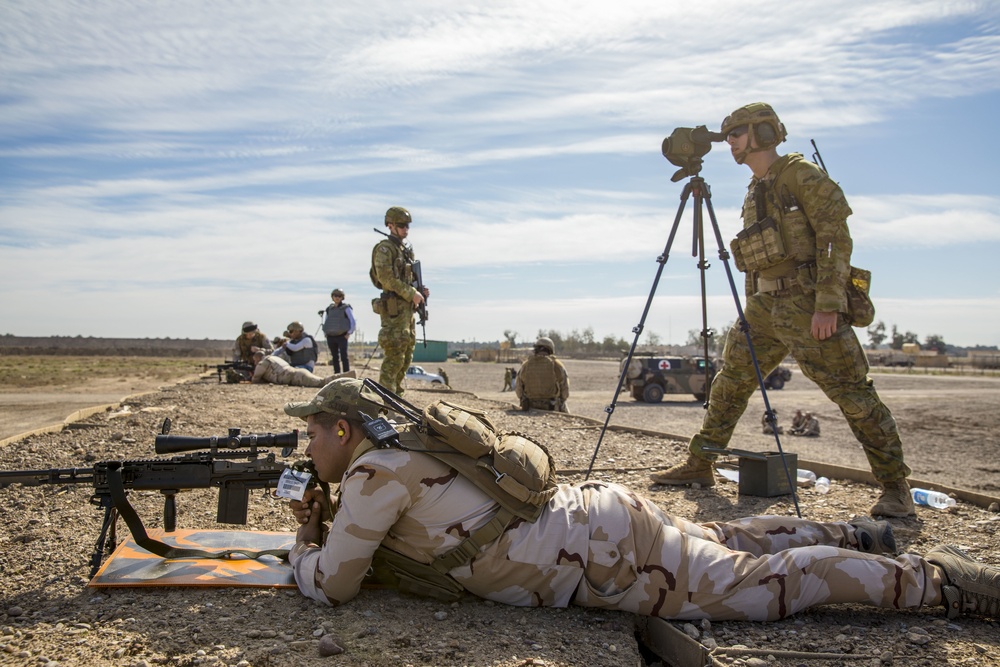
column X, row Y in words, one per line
column 795, row 248
column 392, row 272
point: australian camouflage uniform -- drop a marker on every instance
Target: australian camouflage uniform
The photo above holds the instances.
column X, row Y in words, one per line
column 795, row 249
column 243, row 349
column 392, row 272
column 542, row 384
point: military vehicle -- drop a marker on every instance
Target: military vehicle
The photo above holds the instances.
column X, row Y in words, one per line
column 777, row 378
column 649, row 378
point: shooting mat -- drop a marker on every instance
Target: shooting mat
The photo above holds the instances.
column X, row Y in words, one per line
column 131, row 565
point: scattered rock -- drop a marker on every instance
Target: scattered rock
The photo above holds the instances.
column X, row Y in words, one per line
column 329, row 645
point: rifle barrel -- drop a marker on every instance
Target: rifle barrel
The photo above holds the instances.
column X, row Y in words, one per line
column 51, row 476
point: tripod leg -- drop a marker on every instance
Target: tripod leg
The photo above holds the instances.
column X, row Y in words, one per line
column 745, row 329
column 637, row 330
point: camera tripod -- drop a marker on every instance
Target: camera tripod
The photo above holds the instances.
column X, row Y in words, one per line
column 697, row 186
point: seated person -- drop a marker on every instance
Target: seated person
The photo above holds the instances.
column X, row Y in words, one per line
column 542, row 382
column 809, row 427
column 766, row 425
column 250, row 341
column 300, row 347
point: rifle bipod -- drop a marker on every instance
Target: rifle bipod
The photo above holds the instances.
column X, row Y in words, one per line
column 702, row 198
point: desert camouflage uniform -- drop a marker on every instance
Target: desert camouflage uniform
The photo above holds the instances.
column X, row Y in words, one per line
column 392, row 265
column 278, row 371
column 814, row 276
column 600, row 545
column 542, row 383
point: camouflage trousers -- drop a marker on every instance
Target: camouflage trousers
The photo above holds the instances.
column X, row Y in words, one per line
column 756, row 569
column 397, row 338
column 551, row 404
column 780, row 324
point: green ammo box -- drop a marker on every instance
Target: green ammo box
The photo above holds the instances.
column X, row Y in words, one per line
column 762, row 473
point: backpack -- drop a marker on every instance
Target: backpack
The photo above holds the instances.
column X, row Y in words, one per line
column 517, row 472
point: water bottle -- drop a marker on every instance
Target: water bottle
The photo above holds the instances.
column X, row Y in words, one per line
column 822, row 485
column 934, row 499
column 805, row 477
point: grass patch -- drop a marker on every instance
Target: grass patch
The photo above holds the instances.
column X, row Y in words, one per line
column 39, row 371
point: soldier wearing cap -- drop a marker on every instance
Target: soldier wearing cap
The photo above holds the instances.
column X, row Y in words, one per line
column 300, row 347
column 392, row 272
column 542, row 382
column 249, row 341
column 795, row 249
column 594, row 544
column 338, row 325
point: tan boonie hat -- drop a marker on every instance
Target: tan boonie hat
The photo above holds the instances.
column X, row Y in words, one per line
column 346, row 397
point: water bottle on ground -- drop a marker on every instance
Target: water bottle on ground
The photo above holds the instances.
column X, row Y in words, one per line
column 822, row 485
column 805, row 477
column 934, row 499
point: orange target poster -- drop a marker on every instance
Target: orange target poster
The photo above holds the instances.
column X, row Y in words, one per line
column 130, row 565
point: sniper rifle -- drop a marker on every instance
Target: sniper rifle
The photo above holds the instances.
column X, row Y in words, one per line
column 233, row 463
column 241, row 368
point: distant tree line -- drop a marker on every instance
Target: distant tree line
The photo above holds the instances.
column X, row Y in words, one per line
column 577, row 343
column 877, row 335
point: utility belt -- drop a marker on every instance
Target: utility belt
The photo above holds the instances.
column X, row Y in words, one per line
column 801, row 279
column 391, row 304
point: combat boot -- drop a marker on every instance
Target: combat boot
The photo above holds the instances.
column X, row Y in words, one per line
column 874, row 537
column 895, row 500
column 695, row 470
column 972, row 588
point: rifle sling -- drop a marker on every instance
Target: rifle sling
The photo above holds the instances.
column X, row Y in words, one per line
column 134, row 523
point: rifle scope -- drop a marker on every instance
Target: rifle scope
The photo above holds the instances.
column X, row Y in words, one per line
column 171, row 444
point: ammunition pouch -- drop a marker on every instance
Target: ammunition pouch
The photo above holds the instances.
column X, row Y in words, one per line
column 388, row 304
column 759, row 246
column 860, row 309
column 413, row 577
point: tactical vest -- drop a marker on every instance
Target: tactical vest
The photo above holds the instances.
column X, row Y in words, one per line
column 402, row 261
column 776, row 236
column 305, row 355
column 539, row 377
column 515, row 471
column 337, row 323
column 244, row 346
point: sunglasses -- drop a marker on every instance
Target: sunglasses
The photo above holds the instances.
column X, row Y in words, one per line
column 737, row 132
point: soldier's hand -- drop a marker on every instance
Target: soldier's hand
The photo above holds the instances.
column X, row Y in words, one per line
column 313, row 504
column 418, row 298
column 823, row 325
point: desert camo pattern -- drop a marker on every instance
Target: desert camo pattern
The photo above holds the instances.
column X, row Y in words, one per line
column 392, row 264
column 278, row 371
column 780, row 324
column 542, row 377
column 601, row 545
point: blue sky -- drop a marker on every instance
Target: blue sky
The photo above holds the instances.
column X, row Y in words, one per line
column 173, row 169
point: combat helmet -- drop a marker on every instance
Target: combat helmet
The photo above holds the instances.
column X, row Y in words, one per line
column 397, row 215
column 762, row 123
column 545, row 343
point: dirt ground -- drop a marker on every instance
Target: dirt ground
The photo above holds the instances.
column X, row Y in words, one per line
column 48, row 615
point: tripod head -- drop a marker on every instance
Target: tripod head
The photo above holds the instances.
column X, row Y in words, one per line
column 686, row 146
